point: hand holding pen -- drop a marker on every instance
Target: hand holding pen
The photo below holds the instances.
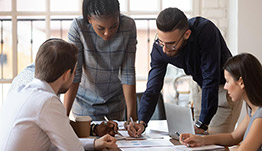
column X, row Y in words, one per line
column 106, row 127
column 191, row 140
column 134, row 129
column 115, row 128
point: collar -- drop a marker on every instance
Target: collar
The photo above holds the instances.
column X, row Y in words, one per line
column 42, row 85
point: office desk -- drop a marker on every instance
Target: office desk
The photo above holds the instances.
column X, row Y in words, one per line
column 155, row 129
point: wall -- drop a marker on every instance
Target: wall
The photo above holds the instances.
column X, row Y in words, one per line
column 232, row 30
column 249, row 27
column 216, row 11
column 244, row 30
column 239, row 22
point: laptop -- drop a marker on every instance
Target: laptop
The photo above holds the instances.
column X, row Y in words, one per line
column 179, row 119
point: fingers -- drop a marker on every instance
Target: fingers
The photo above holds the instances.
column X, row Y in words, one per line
column 183, row 137
column 114, row 128
column 110, row 145
column 110, row 142
column 190, row 140
column 135, row 130
column 110, row 131
column 131, row 130
column 100, row 129
column 109, row 138
column 113, row 125
column 126, row 125
column 139, row 128
column 109, row 127
column 105, row 142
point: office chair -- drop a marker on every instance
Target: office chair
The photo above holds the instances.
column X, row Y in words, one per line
column 159, row 113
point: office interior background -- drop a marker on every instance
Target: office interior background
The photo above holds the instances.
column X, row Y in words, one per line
column 25, row 24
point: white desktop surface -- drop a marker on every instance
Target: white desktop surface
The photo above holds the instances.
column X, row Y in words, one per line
column 158, row 132
column 158, row 139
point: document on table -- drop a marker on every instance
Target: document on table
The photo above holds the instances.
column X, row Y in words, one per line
column 149, row 149
column 144, row 143
column 125, row 136
column 120, row 124
column 202, row 148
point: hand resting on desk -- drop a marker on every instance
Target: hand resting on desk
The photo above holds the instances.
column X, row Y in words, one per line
column 105, row 142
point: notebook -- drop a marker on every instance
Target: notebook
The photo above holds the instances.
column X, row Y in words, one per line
column 179, row 119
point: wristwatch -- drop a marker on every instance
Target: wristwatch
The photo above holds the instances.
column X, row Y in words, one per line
column 201, row 125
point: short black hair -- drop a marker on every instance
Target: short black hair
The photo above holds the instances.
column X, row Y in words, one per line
column 99, row 8
column 170, row 19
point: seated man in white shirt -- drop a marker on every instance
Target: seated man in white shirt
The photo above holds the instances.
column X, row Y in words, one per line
column 33, row 117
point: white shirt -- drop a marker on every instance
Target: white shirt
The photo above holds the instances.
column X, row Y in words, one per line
column 33, row 117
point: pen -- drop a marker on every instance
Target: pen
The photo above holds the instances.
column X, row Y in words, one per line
column 106, row 118
column 178, row 134
column 114, row 131
column 132, row 122
column 131, row 119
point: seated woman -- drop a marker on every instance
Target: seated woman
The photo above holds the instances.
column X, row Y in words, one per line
column 243, row 74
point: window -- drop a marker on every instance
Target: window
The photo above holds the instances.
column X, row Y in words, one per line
column 25, row 24
column 31, row 5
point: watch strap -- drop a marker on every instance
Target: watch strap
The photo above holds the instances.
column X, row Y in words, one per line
column 200, row 124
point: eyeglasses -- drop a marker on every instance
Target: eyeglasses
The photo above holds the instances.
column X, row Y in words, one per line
column 169, row 45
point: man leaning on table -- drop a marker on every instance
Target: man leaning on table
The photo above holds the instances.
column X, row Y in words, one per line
column 197, row 46
column 33, row 117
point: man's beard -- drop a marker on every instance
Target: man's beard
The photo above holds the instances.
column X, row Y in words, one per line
column 176, row 52
column 62, row 90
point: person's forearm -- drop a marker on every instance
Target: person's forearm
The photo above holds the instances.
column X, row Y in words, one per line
column 88, row 143
column 130, row 97
column 225, row 139
column 70, row 97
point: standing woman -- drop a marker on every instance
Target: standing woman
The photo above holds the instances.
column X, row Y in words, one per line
column 243, row 74
column 105, row 74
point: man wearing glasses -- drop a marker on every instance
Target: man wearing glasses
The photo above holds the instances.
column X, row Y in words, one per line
column 197, row 46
